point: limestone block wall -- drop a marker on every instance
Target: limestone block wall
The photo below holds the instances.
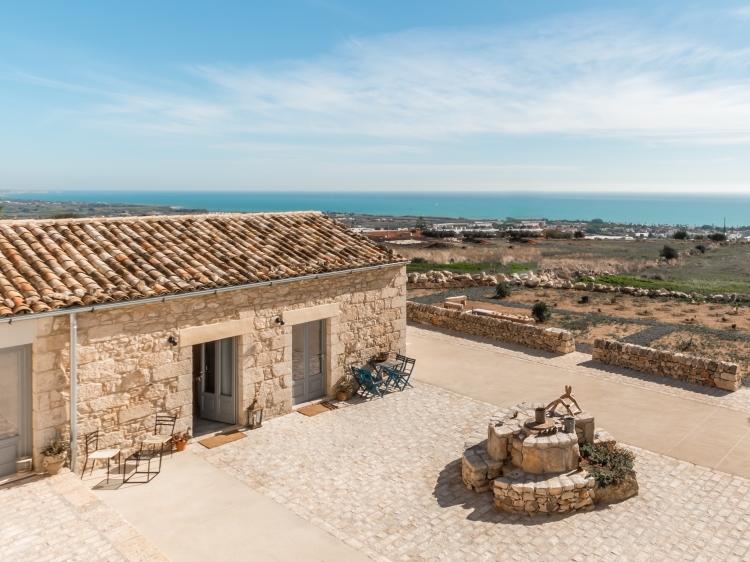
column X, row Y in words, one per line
column 675, row 365
column 548, row 339
column 128, row 372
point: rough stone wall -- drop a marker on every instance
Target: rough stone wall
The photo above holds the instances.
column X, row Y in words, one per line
column 548, row 339
column 128, row 372
column 675, row 365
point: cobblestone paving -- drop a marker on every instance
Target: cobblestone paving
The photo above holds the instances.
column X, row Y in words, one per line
column 59, row 518
column 582, row 363
column 385, row 477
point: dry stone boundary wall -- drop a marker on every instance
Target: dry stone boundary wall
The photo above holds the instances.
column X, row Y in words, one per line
column 675, row 365
column 547, row 339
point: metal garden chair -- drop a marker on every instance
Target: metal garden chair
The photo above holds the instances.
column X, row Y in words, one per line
column 163, row 432
column 403, row 373
column 93, row 453
column 368, row 384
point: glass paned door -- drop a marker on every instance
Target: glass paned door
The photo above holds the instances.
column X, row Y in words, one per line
column 216, row 362
column 308, row 361
column 15, row 406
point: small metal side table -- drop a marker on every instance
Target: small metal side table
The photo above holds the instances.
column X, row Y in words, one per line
column 141, row 458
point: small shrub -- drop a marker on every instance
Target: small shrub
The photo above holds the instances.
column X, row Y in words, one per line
column 607, row 462
column 584, row 299
column 540, row 312
column 578, row 234
column 680, row 235
column 419, row 260
column 717, row 237
column 502, row 290
column 701, row 248
column 668, row 252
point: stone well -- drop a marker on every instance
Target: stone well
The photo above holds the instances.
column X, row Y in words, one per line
column 530, row 459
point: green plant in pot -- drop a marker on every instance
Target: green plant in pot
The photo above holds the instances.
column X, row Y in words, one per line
column 345, row 389
column 55, row 454
column 181, row 439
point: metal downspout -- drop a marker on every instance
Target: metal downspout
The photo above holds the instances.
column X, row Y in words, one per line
column 73, row 392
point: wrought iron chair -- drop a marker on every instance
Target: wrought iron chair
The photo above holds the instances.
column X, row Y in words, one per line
column 369, row 384
column 163, row 433
column 403, row 373
column 94, row 453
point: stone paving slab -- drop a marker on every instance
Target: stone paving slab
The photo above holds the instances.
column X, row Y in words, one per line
column 582, row 363
column 385, row 477
column 59, row 518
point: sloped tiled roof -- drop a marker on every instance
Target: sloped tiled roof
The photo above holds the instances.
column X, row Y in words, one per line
column 48, row 265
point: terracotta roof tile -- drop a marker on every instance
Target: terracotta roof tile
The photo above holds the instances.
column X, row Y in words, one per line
column 48, row 265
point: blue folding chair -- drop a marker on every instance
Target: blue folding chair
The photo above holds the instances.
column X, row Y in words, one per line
column 374, row 386
column 402, row 374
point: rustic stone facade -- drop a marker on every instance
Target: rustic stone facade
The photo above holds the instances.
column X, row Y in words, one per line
column 128, row 372
column 547, row 339
column 675, row 365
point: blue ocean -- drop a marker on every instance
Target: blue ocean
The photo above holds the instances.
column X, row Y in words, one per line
column 627, row 208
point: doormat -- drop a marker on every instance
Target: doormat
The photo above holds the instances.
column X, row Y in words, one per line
column 217, row 440
column 316, row 409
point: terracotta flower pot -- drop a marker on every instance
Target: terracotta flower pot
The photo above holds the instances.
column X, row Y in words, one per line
column 343, row 396
column 54, row 464
column 181, row 445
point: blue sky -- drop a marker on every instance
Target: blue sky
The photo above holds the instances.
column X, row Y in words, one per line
column 326, row 95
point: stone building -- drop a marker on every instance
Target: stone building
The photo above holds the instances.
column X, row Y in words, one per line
column 194, row 316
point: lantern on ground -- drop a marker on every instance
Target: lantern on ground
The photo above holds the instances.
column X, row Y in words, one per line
column 254, row 415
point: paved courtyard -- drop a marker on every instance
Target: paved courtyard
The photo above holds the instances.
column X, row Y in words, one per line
column 384, row 477
column 381, row 480
column 60, row 519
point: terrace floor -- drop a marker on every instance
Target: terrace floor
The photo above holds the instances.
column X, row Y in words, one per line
column 380, row 479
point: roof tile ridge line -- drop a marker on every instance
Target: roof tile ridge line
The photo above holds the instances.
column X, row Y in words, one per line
column 154, row 217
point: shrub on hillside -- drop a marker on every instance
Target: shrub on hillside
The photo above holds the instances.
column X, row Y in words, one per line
column 502, row 290
column 554, row 234
column 608, row 463
column 668, row 252
column 419, row 260
column 717, row 237
column 540, row 312
column 681, row 235
column 578, row 234
column 701, row 248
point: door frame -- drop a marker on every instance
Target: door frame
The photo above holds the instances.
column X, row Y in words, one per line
column 306, row 359
column 23, row 442
column 198, row 389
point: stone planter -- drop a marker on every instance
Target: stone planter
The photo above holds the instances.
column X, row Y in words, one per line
column 617, row 493
column 343, row 396
column 54, row 464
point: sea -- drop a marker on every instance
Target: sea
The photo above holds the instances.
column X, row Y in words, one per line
column 673, row 209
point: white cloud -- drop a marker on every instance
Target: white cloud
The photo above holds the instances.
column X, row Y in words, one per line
column 581, row 76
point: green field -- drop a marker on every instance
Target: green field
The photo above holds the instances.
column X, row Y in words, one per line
column 470, row 268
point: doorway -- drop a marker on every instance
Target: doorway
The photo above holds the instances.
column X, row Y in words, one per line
column 308, row 361
column 15, row 406
column 214, row 388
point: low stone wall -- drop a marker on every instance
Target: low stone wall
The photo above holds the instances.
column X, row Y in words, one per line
column 547, row 339
column 675, row 365
column 544, row 493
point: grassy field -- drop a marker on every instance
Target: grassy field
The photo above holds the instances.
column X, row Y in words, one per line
column 635, row 263
column 463, row 267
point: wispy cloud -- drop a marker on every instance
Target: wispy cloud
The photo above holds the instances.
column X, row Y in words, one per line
column 591, row 76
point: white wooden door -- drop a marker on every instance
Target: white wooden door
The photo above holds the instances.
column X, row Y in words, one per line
column 217, row 384
column 15, row 406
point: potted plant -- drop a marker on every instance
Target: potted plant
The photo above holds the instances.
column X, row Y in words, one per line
column 345, row 389
column 55, row 455
column 181, row 440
